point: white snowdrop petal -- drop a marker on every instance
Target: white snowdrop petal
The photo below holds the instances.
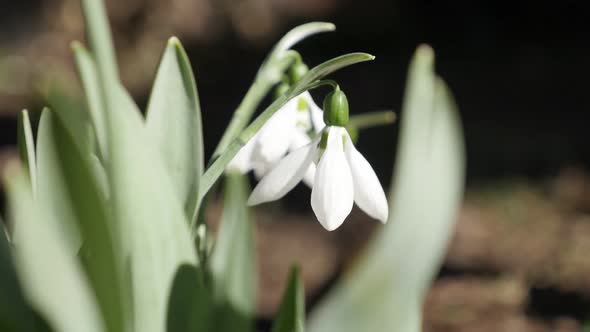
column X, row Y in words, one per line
column 309, row 175
column 299, row 139
column 282, row 178
column 368, row 192
column 332, row 193
column 276, row 134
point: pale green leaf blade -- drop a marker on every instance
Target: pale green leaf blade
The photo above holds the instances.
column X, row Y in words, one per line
column 153, row 227
column 52, row 278
column 174, row 121
column 233, row 261
column 86, row 200
column 26, row 147
column 190, row 306
column 291, row 316
column 386, row 289
column 52, row 190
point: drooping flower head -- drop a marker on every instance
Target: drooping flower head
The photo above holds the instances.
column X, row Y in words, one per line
column 342, row 176
column 288, row 129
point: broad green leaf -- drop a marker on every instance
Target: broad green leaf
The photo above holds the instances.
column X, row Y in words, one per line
column 386, row 289
column 15, row 314
column 233, row 261
column 26, row 147
column 51, row 277
column 154, row 230
column 52, row 189
column 89, row 77
column 174, row 120
column 190, row 305
column 308, row 81
column 86, row 200
column 291, row 316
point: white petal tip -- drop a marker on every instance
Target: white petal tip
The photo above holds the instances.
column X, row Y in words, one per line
column 331, row 225
column 252, row 200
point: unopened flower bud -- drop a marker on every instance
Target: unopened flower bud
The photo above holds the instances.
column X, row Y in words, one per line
column 281, row 89
column 336, row 108
column 297, row 70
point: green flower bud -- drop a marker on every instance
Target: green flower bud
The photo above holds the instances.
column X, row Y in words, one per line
column 281, row 89
column 336, row 108
column 297, row 70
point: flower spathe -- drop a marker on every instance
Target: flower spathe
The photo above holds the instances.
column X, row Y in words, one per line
column 285, row 131
column 343, row 176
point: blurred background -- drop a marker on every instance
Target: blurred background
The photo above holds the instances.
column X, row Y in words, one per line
column 519, row 70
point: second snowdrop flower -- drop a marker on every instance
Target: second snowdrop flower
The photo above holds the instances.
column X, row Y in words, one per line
column 343, row 176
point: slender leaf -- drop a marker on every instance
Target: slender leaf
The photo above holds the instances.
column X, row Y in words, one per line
column 15, row 313
column 386, row 289
column 233, row 261
column 291, row 317
column 100, row 39
column 26, row 147
column 190, row 305
column 174, row 120
column 299, row 33
column 51, row 276
column 88, row 76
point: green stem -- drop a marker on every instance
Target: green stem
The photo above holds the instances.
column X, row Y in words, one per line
column 243, row 113
column 270, row 74
column 372, row 119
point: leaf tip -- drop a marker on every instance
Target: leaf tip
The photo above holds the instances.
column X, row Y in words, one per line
column 174, row 41
column 425, row 51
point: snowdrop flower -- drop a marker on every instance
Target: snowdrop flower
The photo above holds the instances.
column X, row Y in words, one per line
column 287, row 130
column 343, row 175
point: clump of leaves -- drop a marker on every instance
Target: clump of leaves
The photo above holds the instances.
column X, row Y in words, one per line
column 106, row 209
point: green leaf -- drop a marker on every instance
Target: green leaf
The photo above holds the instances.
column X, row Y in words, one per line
column 308, row 81
column 291, row 317
column 299, row 33
column 15, row 314
column 153, row 227
column 174, row 120
column 233, row 261
column 100, row 39
column 26, row 147
column 52, row 189
column 52, row 278
column 154, row 231
column 386, row 289
column 190, row 305
column 86, row 201
column 76, row 119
